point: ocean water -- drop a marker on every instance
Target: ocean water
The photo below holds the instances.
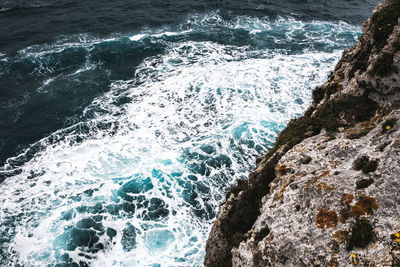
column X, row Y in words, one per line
column 123, row 124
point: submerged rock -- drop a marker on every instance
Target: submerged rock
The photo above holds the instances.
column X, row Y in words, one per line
column 327, row 193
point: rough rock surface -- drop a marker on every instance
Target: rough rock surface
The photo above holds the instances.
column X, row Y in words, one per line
column 328, row 193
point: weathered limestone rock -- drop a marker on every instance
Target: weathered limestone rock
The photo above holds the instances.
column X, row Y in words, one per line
column 328, row 193
column 312, row 213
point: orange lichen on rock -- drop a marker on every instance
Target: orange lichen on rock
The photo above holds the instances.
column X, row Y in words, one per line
column 340, row 236
column 360, row 129
column 322, row 186
column 325, row 186
column 279, row 195
column 344, row 214
column 365, row 206
column 346, row 198
column 326, row 218
column 333, row 262
column 323, row 174
column 281, row 169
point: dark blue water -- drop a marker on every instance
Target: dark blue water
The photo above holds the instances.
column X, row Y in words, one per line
column 124, row 122
column 27, row 22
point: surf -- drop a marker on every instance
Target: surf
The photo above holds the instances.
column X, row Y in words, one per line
column 136, row 180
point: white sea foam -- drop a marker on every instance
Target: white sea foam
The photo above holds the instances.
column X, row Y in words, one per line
column 3, row 58
column 196, row 94
column 137, row 37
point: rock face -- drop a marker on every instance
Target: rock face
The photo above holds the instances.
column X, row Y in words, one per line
column 328, row 193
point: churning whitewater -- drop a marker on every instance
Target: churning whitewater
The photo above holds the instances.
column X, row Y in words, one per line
column 137, row 180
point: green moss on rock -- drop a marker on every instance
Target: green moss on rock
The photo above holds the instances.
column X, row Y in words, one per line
column 364, row 183
column 383, row 22
column 362, row 234
column 353, row 109
column 388, row 125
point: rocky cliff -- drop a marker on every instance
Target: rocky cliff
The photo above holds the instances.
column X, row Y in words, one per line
column 328, row 193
